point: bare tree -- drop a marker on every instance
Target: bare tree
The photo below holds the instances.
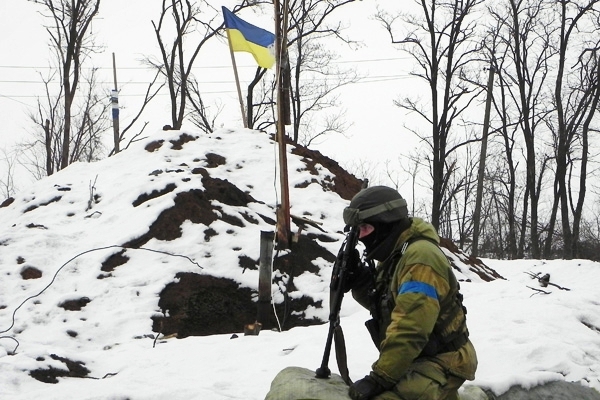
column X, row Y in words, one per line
column 576, row 104
column 7, row 182
column 315, row 78
column 201, row 116
column 258, row 109
column 441, row 41
column 72, row 44
column 42, row 155
column 528, row 49
column 310, row 77
column 184, row 18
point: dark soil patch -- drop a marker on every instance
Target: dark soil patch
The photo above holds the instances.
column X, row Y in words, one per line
column 74, row 369
column 195, row 206
column 344, row 184
column 208, row 233
column 142, row 198
column 183, row 139
column 247, row 263
column 249, row 218
column 475, row 264
column 225, row 192
column 300, row 258
column 38, row 226
column 214, row 160
column 200, row 305
column 114, row 261
column 31, row 273
column 75, row 305
column 153, row 146
column 7, row 202
column 53, row 200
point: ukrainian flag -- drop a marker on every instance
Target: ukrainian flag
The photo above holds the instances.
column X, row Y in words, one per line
column 252, row 39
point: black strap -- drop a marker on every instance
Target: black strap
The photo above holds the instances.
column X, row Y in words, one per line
column 340, row 354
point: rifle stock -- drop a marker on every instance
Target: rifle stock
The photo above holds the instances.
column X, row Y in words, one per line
column 338, row 276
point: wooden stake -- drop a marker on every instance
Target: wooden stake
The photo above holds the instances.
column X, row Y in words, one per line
column 265, row 276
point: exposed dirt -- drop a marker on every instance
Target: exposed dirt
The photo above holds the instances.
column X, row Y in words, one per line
column 75, row 305
column 198, row 304
column 73, row 369
column 7, row 202
column 344, row 184
column 31, row 273
column 475, row 264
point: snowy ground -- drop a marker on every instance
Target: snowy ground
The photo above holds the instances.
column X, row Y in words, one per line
column 523, row 336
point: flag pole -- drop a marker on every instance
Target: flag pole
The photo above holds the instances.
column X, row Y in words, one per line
column 283, row 212
column 237, row 80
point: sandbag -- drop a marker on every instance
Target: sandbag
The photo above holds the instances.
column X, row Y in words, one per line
column 295, row 383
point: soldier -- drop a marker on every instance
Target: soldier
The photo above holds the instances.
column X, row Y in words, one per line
column 418, row 320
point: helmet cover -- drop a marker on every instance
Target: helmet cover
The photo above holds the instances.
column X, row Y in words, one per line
column 376, row 204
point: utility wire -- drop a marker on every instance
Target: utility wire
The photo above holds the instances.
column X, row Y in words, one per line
column 209, row 67
column 64, row 265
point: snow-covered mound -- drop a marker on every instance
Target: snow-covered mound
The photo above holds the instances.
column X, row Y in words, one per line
column 164, row 239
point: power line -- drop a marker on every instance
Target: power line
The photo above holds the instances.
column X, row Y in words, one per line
column 367, row 79
column 207, row 67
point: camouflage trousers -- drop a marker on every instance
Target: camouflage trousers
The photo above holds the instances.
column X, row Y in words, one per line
column 424, row 381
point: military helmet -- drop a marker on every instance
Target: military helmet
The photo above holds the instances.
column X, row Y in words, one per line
column 376, row 204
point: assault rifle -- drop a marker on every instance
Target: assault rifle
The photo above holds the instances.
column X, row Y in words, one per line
column 344, row 265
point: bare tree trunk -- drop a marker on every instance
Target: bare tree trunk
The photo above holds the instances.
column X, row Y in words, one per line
column 71, row 43
column 568, row 121
column 440, row 42
column 483, row 154
column 49, row 166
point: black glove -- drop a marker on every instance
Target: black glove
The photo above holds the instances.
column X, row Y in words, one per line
column 356, row 272
column 365, row 389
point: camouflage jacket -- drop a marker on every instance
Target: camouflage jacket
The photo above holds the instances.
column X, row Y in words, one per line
column 416, row 298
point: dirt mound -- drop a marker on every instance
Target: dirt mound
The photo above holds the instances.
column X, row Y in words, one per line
column 200, row 304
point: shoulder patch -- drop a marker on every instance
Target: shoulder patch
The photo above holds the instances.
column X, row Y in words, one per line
column 418, row 287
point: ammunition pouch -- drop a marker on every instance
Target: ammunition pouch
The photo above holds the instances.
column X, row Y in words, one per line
column 436, row 346
column 373, row 328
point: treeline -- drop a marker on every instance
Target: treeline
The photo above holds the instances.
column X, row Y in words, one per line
column 513, row 183
column 508, row 183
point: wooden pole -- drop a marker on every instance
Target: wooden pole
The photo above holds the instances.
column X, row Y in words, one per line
column 482, row 156
column 115, row 106
column 237, row 81
column 283, row 212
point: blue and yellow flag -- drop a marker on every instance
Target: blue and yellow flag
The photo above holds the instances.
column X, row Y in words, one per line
column 252, row 39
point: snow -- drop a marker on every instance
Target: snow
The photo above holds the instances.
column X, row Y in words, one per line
column 522, row 336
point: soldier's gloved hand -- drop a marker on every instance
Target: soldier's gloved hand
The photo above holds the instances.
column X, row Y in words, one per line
column 356, row 272
column 365, row 389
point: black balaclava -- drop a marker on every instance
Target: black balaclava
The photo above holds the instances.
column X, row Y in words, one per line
column 381, row 242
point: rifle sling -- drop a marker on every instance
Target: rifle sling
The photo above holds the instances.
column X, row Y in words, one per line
column 340, row 354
